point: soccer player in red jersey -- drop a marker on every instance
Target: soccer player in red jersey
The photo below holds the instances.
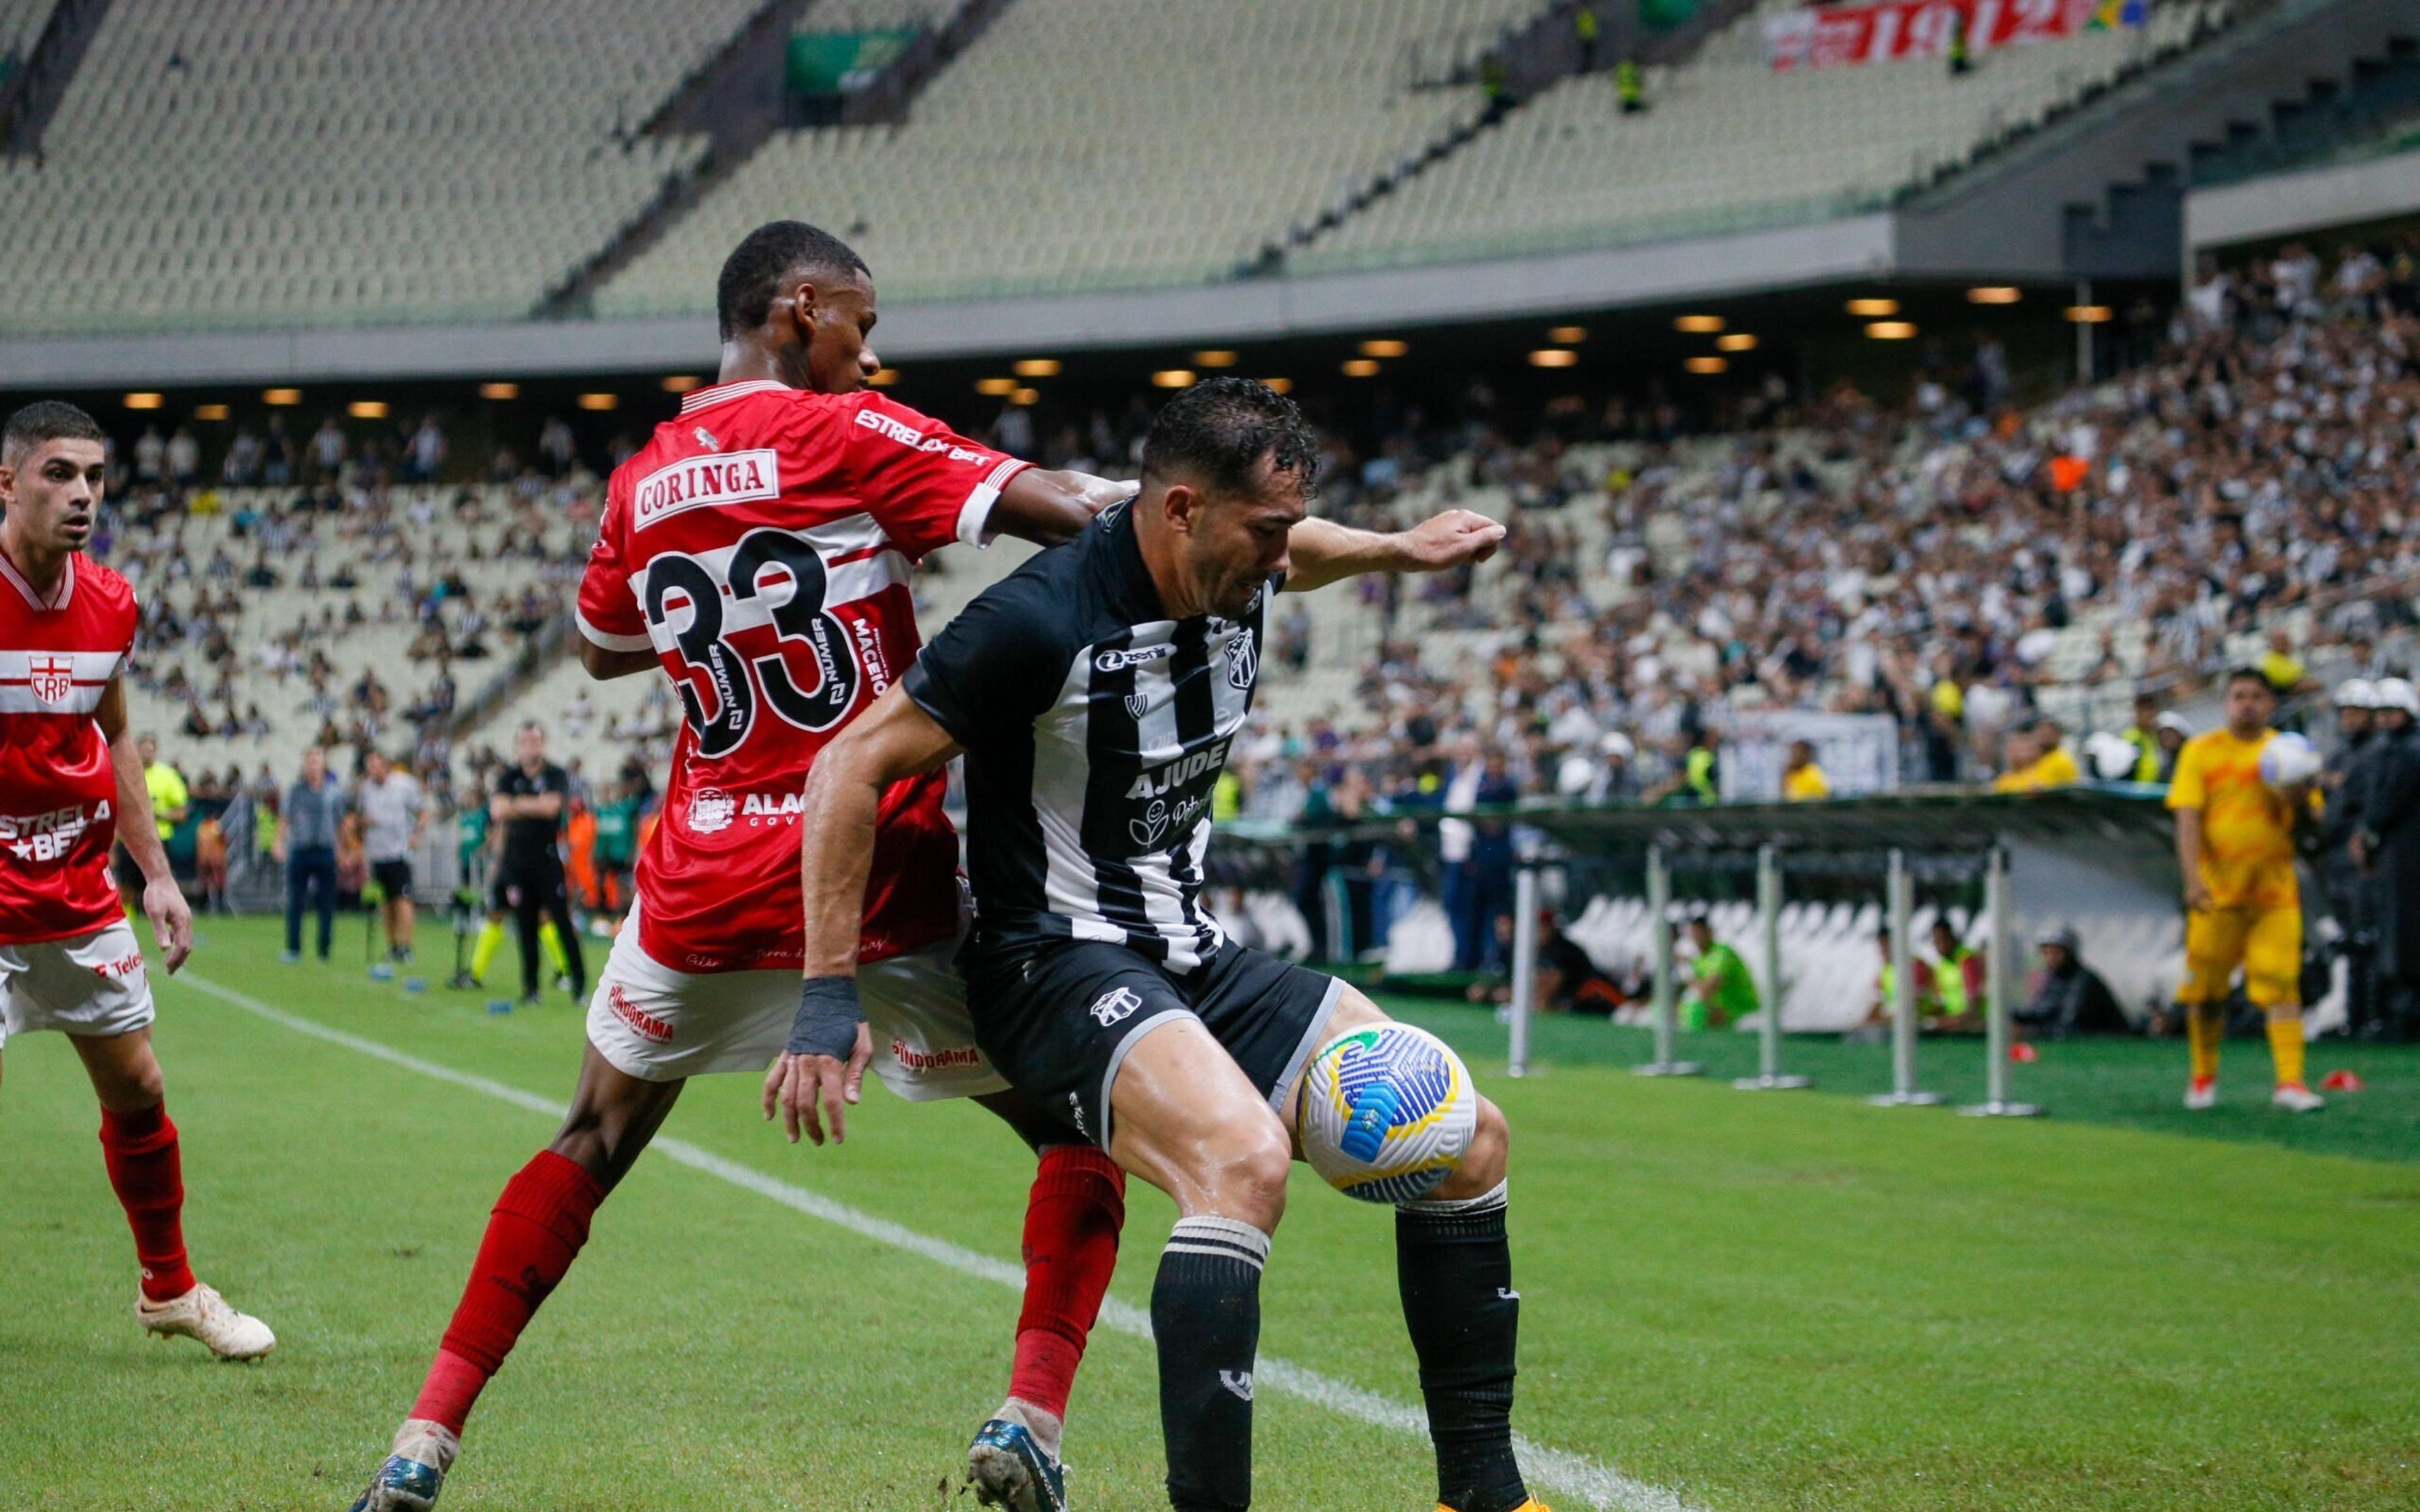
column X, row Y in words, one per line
column 757, row 549
column 70, row 779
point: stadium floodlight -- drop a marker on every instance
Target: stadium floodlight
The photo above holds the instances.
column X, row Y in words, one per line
column 1361, row 367
column 1554, row 357
column 1033, row 367
column 682, row 383
column 1215, row 356
column 500, row 391
column 145, row 401
column 1386, row 347
column 211, row 411
column 1697, row 325
column 601, row 401
column 1995, row 294
column 884, row 376
column 998, row 388
column 366, row 408
column 281, row 397
column 1707, row 366
column 1277, row 385
column 2090, row 315
column 1870, row 307
column 1891, row 329
column 1025, row 397
column 1738, row 341
column 1172, row 378
column 1567, row 336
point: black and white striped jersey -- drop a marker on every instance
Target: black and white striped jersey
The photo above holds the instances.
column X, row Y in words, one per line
column 1094, row 729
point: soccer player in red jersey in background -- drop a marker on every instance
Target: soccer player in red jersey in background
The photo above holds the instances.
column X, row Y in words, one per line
column 757, row 549
column 70, row 779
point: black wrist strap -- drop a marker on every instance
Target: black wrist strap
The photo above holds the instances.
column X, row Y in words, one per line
column 829, row 1015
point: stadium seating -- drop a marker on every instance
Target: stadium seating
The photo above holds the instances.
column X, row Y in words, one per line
column 21, row 23
column 222, row 161
column 1030, row 164
column 1727, row 144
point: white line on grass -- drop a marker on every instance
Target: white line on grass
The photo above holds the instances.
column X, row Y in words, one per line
column 1555, row 1469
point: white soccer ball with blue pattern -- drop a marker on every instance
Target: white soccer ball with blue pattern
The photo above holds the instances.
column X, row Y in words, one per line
column 1387, row 1113
column 2288, row 760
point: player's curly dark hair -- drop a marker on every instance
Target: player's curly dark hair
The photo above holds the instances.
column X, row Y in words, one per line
column 1214, row 433
column 47, row 419
column 752, row 274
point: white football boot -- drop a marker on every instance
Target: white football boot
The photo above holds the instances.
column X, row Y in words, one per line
column 203, row 1313
column 2296, row 1097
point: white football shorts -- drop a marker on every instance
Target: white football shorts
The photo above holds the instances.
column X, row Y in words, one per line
column 659, row 1025
column 90, row 984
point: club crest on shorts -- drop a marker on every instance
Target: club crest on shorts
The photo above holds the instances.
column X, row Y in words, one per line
column 1243, row 664
column 711, row 809
column 1115, row 1004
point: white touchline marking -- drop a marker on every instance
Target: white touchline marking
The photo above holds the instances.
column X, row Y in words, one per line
column 1555, row 1469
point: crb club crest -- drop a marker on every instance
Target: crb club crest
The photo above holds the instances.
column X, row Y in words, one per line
column 711, row 809
column 52, row 678
column 1243, row 663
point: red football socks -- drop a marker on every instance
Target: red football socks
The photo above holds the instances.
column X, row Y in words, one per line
column 538, row 1225
column 1072, row 1218
column 140, row 1150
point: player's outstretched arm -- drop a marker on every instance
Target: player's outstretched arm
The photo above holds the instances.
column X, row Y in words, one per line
column 1324, row 552
column 824, row 1066
column 1050, row 507
column 171, row 921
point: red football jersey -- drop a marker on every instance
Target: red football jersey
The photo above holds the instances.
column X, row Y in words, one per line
column 57, row 789
column 759, row 546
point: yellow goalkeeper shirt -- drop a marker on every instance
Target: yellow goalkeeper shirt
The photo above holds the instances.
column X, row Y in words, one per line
column 2247, row 831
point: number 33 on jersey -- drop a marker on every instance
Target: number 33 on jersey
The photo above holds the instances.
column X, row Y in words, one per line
column 759, row 546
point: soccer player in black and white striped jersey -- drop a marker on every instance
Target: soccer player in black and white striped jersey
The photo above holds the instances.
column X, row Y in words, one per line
column 1095, row 694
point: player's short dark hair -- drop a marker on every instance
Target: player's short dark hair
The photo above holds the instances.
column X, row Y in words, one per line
column 2249, row 674
column 47, row 419
column 752, row 274
column 1216, row 432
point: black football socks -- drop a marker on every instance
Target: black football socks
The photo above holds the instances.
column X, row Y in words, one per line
column 1455, row 1269
column 1205, row 1312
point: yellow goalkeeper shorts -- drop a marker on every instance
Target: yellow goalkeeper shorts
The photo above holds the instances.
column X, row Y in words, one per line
column 2265, row 943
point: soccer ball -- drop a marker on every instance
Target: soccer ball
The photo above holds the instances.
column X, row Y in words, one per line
column 2288, row 761
column 1387, row 1113
column 2111, row 757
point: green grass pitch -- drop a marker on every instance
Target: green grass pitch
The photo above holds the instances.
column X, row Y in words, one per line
column 1743, row 1302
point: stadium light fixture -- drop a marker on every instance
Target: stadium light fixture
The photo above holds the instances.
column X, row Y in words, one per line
column 500, row 391
column 1025, row 397
column 211, row 411
column 1707, row 364
column 1567, row 336
column 1871, row 308
column 1037, row 368
column 366, row 408
column 1215, row 356
column 682, row 383
column 145, row 401
column 1738, row 341
column 1554, row 357
column 884, row 376
column 281, row 397
column 1361, row 367
column 1172, row 378
column 1277, row 385
column 1386, row 347
column 1995, row 294
column 2090, row 315
column 998, row 388
column 1891, row 329
column 1698, row 325
column 601, row 401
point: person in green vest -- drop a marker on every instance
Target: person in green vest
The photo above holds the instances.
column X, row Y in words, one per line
column 1495, row 85
column 1627, row 88
column 1957, row 998
column 1723, row 991
column 614, row 849
column 1701, row 770
column 1961, row 56
column 2144, row 735
column 1584, row 31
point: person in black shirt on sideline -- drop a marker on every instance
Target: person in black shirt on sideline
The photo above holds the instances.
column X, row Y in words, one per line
column 1095, row 693
column 528, row 805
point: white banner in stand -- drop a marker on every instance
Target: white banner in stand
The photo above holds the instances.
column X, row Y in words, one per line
column 1858, row 753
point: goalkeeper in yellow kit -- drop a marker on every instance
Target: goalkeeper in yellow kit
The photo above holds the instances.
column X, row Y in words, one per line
column 2235, row 840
